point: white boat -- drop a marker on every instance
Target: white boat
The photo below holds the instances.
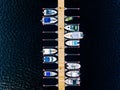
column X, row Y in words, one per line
column 49, row 59
column 73, row 66
column 72, row 27
column 73, row 73
column 49, row 51
column 72, row 81
column 47, row 12
column 73, row 43
column 74, row 35
column 49, row 73
column 48, row 20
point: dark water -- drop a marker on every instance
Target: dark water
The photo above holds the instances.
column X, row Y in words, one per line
column 21, row 43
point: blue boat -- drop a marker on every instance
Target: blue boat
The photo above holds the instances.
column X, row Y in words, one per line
column 49, row 59
column 49, row 73
column 48, row 20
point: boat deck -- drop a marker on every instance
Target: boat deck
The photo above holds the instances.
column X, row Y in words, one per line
column 61, row 45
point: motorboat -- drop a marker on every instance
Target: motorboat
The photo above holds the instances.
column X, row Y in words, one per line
column 73, row 81
column 74, row 35
column 48, row 12
column 72, row 27
column 49, row 51
column 73, row 73
column 73, row 65
column 49, row 73
column 48, row 20
column 49, row 59
column 73, row 43
column 68, row 19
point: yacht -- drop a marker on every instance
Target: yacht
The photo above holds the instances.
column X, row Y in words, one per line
column 73, row 73
column 72, row 27
column 73, row 81
column 73, row 65
column 74, row 35
column 73, row 43
column 48, row 12
column 49, row 51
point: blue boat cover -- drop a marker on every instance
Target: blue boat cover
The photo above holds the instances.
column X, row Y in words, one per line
column 47, row 59
column 47, row 73
column 47, row 19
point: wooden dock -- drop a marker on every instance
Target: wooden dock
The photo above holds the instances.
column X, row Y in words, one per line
column 61, row 45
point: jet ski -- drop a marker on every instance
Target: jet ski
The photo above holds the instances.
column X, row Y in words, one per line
column 49, row 59
column 48, row 12
column 73, row 73
column 73, row 43
column 72, row 27
column 74, row 35
column 48, row 20
column 49, row 73
column 73, row 65
column 49, row 51
column 73, row 81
